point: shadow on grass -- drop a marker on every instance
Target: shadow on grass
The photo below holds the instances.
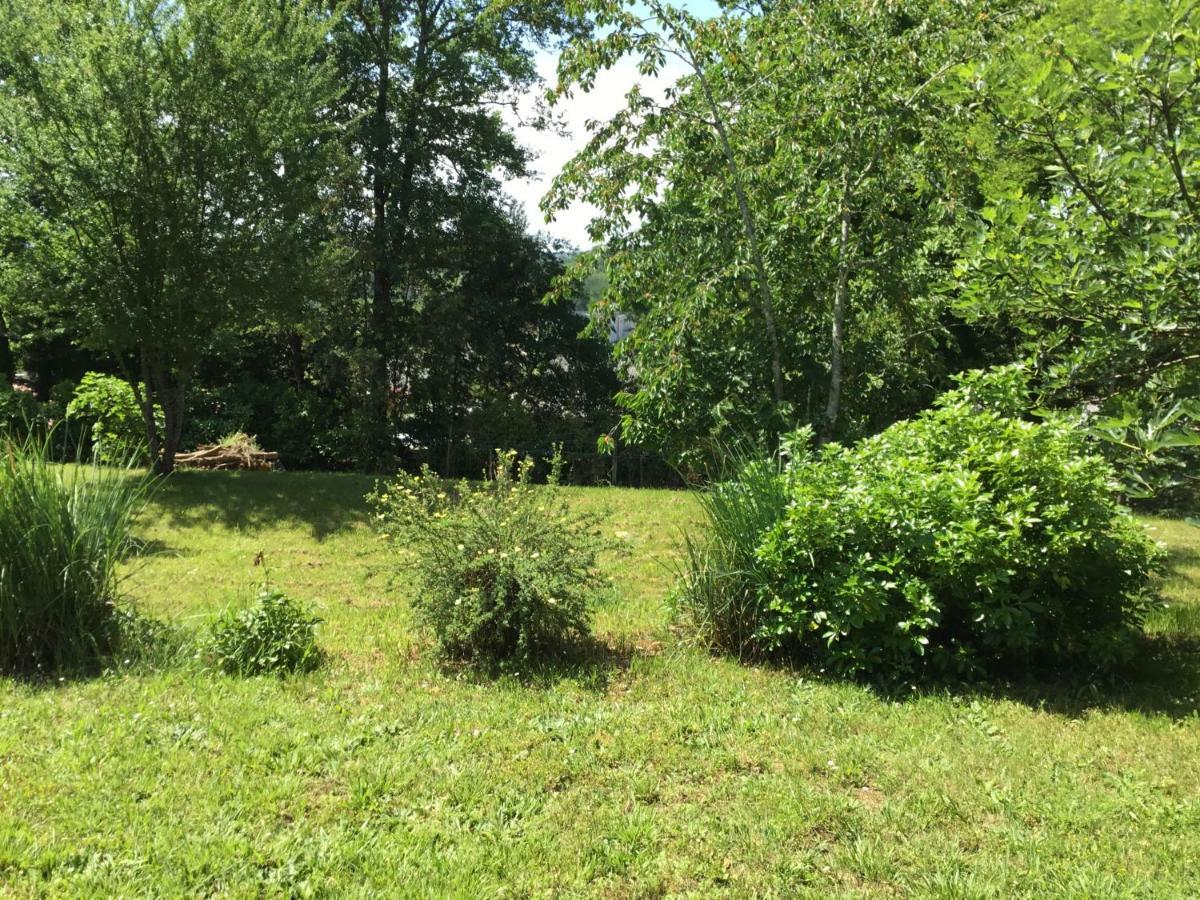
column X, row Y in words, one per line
column 1162, row 680
column 136, row 643
column 323, row 502
column 592, row 664
column 1183, row 566
column 145, row 548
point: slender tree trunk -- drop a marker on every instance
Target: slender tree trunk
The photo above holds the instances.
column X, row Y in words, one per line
column 173, row 395
column 144, row 393
column 392, row 199
column 158, row 387
column 296, row 359
column 838, row 331
column 7, row 363
column 750, row 228
column 447, row 471
column 405, row 148
column 380, row 319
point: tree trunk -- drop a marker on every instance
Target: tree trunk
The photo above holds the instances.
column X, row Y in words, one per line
column 144, row 393
column 173, row 395
column 296, row 359
column 838, row 332
column 7, row 363
column 159, row 387
column 380, row 319
column 765, row 294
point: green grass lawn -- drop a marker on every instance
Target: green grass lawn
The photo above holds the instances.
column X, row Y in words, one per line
column 653, row 770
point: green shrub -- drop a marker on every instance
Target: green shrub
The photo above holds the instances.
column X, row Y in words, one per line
column 20, row 412
column 274, row 635
column 506, row 573
column 118, row 428
column 63, row 531
column 963, row 542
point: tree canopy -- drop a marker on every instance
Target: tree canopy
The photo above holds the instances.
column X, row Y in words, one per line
column 168, row 164
column 292, row 218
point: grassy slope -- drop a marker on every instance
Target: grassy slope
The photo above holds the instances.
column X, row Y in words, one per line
column 657, row 770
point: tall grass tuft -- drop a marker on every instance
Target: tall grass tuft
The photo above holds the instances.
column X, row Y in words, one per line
column 63, row 531
column 719, row 582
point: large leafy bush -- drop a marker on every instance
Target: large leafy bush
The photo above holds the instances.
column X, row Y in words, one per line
column 63, row 532
column 505, row 571
column 117, row 427
column 965, row 541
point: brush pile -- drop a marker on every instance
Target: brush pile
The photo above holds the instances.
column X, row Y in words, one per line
column 235, row 451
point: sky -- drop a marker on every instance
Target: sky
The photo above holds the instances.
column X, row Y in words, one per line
column 554, row 150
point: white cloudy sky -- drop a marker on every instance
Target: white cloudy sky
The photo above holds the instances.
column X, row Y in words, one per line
column 553, row 150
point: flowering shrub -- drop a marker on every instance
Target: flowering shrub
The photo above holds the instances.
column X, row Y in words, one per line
column 506, row 573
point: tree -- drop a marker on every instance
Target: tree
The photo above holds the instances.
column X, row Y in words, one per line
column 775, row 223
column 171, row 157
column 667, row 31
column 424, row 84
column 1090, row 121
column 495, row 365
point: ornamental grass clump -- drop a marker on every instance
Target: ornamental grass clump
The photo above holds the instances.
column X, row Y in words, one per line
column 505, row 572
column 719, row 579
column 967, row 541
column 64, row 529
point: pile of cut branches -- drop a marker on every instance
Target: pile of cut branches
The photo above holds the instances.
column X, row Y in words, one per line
column 235, row 451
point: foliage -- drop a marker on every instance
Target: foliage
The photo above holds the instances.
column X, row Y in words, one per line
column 801, row 172
column 117, row 429
column 1154, row 445
column 493, row 363
column 1086, row 122
column 23, row 416
column 963, row 542
column 307, row 427
column 63, row 532
column 20, row 412
column 506, row 573
column 274, row 635
column 167, row 164
column 557, row 464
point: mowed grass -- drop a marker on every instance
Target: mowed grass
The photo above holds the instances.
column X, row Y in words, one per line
column 652, row 769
